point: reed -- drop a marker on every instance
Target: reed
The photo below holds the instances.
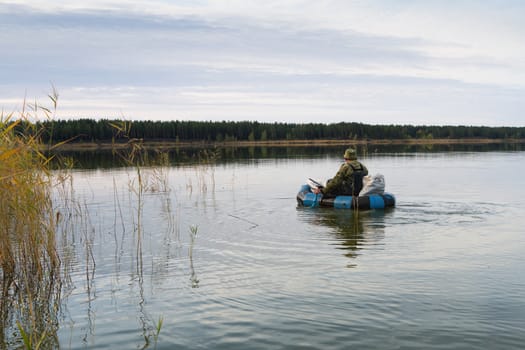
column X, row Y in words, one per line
column 205, row 163
column 193, row 234
column 36, row 206
column 149, row 176
column 29, row 262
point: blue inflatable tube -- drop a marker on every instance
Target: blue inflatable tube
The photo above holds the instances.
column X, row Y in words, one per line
column 307, row 198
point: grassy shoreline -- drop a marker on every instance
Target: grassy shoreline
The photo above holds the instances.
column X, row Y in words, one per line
column 167, row 144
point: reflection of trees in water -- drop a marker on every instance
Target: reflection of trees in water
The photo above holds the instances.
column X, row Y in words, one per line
column 102, row 158
column 353, row 230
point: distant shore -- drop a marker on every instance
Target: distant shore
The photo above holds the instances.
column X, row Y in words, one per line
column 168, row 144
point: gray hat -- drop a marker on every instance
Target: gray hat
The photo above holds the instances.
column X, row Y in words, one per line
column 350, row 154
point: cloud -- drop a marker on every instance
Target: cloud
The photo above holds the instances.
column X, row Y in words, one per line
column 250, row 61
column 124, row 48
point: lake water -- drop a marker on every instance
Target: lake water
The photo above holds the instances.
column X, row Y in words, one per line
column 224, row 257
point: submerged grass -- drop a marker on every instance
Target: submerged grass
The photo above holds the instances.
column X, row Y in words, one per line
column 29, row 262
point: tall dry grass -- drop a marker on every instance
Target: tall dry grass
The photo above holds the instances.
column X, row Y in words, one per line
column 32, row 276
column 29, row 262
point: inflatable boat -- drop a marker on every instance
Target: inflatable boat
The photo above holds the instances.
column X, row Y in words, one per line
column 307, row 198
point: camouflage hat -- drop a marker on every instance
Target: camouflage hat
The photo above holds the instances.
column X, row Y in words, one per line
column 350, row 154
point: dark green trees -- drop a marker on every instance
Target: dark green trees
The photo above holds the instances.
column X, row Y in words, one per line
column 101, row 131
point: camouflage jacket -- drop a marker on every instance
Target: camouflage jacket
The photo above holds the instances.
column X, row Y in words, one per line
column 343, row 181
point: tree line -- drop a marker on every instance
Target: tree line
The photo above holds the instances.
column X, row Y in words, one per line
column 105, row 130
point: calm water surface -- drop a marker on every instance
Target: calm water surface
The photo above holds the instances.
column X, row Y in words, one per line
column 222, row 254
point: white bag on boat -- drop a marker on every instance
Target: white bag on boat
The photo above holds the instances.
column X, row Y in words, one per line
column 373, row 185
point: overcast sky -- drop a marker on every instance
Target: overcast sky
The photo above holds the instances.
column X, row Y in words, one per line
column 453, row 62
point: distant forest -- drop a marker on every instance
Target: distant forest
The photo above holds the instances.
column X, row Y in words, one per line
column 90, row 130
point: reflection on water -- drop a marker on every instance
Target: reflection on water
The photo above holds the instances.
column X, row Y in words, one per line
column 352, row 230
column 105, row 159
column 101, row 240
column 223, row 256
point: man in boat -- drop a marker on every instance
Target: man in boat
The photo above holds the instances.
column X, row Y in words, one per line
column 349, row 179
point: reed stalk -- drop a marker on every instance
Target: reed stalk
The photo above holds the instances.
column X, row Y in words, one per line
column 29, row 262
column 31, row 272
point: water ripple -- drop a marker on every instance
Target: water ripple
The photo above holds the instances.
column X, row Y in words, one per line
column 446, row 213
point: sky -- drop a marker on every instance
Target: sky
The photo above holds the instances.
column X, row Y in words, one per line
column 419, row 62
